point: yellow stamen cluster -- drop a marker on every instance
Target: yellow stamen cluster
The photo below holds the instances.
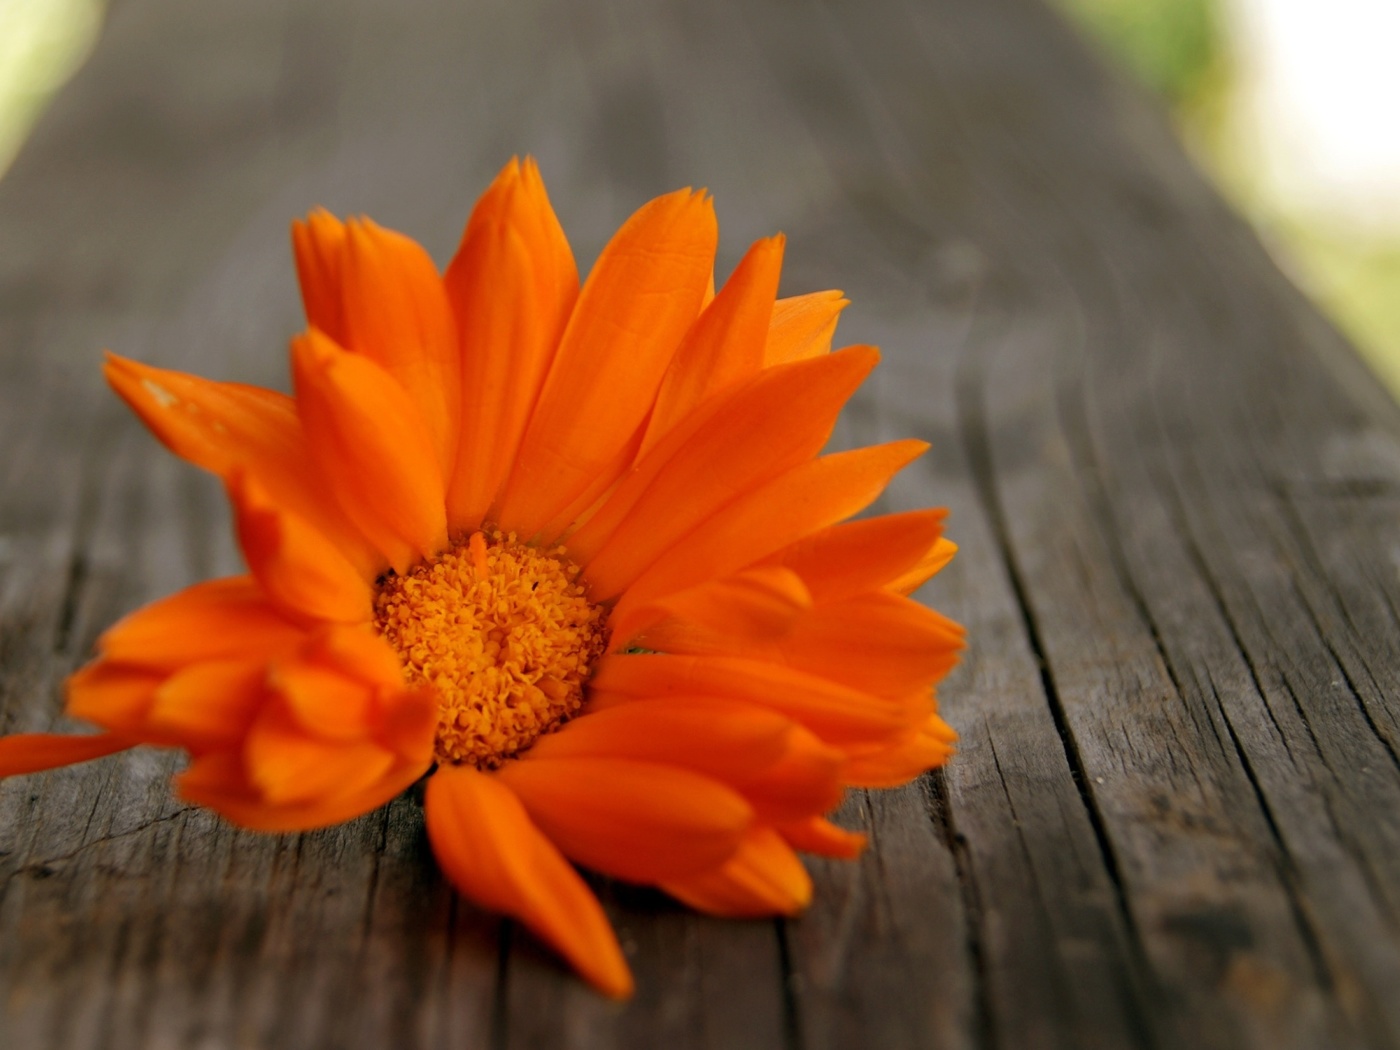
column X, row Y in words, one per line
column 505, row 633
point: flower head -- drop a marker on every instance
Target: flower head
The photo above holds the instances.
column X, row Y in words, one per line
column 573, row 551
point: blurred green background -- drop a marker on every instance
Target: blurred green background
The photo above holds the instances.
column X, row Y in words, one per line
column 1289, row 104
column 41, row 43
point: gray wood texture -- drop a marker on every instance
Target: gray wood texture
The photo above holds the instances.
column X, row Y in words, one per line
column 1175, row 817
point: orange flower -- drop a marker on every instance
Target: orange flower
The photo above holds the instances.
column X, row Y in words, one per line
column 575, row 552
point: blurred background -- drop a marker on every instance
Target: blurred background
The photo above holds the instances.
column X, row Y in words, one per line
column 1291, row 105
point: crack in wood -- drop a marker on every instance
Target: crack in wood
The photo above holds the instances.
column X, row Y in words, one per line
column 940, row 813
column 500, row 1005
column 975, row 441
column 50, row 865
column 791, row 989
column 1319, row 578
column 1287, row 869
column 68, row 606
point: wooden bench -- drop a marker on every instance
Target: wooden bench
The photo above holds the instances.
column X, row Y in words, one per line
column 1175, row 817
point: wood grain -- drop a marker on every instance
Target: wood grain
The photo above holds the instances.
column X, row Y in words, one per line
column 1175, row 817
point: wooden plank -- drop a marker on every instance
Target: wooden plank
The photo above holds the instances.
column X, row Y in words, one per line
column 1173, row 821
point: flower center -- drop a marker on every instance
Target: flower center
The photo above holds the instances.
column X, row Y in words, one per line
column 506, row 635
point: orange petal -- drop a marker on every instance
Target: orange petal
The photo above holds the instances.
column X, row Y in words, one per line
column 287, row 765
column 859, row 556
column 779, row 767
column 318, row 243
column 762, row 878
column 345, row 686
column 777, row 420
column 397, row 315
column 819, row 835
column 921, row 749
column 320, row 738
column 760, row 604
column 512, row 286
column 294, row 564
column 22, row 753
column 879, row 643
column 726, row 344
column 358, row 652
column 807, row 781
column 209, row 705
column 802, row 327
column 342, row 686
column 721, row 738
column 373, row 449
column 805, row 499
column 114, row 696
column 219, row 780
column 834, row 712
column 326, row 704
column 408, row 723
column 637, row 820
column 493, row 854
column 225, row 426
column 376, row 292
column 586, row 503
column 213, row 425
column 215, row 620
column 639, row 301
column 937, row 556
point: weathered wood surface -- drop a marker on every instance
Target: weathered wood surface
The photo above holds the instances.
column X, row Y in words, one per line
column 1175, row 818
